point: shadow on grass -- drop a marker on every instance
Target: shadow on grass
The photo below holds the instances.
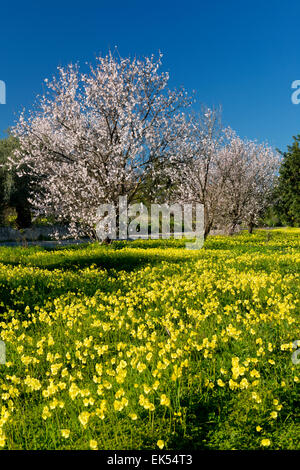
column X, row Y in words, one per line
column 201, row 420
column 123, row 262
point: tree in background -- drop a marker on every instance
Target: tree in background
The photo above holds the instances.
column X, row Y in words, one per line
column 6, row 181
column 249, row 172
column 14, row 187
column 3, row 191
column 233, row 178
column 194, row 169
column 287, row 193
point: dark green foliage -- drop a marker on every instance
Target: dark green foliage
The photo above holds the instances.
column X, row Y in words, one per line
column 288, row 190
column 6, row 147
column 14, row 189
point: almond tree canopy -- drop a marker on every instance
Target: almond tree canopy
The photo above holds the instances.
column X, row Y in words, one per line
column 94, row 137
column 118, row 130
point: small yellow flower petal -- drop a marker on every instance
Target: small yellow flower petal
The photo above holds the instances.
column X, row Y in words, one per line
column 160, row 444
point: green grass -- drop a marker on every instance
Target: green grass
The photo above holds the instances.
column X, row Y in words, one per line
column 196, row 343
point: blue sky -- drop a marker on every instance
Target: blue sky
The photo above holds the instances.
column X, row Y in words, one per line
column 243, row 54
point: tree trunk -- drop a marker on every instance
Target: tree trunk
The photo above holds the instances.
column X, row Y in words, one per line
column 250, row 227
column 232, row 229
column 207, row 223
column 106, row 241
column 251, row 224
column 23, row 216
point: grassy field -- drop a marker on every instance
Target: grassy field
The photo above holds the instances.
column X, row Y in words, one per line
column 146, row 345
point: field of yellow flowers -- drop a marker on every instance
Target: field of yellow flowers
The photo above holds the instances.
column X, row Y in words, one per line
column 147, row 345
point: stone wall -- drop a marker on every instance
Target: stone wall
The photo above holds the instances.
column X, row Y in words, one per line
column 31, row 234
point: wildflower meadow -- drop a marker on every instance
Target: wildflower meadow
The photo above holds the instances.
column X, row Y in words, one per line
column 147, row 345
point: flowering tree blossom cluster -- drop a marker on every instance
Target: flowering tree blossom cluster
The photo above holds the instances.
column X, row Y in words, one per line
column 233, row 178
column 94, row 137
column 249, row 172
column 100, row 135
column 197, row 177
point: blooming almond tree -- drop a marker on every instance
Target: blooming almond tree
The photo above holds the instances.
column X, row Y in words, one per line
column 231, row 177
column 95, row 136
column 249, row 172
column 195, row 170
